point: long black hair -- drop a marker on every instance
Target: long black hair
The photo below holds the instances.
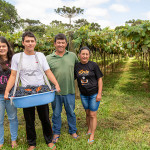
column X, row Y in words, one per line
column 9, row 54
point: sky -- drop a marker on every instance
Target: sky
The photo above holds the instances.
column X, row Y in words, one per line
column 107, row 13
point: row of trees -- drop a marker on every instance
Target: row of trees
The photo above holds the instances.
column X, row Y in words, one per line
column 131, row 39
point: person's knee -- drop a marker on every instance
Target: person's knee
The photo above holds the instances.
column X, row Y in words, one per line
column 93, row 114
column 13, row 118
column 56, row 114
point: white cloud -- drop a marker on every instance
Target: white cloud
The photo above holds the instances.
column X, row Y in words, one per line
column 119, row 8
column 134, row 0
column 38, row 10
column 147, row 14
column 96, row 12
column 105, row 23
column 88, row 3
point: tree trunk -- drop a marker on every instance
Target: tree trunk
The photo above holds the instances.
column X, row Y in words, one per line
column 149, row 61
column 104, row 63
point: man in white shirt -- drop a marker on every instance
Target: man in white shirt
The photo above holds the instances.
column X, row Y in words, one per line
column 30, row 74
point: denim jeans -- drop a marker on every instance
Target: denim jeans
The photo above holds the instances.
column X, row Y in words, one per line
column 12, row 117
column 69, row 104
column 89, row 102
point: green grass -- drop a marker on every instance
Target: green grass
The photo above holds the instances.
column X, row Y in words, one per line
column 123, row 116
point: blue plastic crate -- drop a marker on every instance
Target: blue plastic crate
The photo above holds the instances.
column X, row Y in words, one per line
column 34, row 100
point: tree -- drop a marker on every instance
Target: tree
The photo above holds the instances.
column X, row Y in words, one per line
column 95, row 27
column 56, row 23
column 81, row 22
column 40, row 30
column 68, row 12
column 134, row 22
column 31, row 22
column 9, row 19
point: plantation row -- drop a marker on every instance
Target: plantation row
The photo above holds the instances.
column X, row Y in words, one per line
column 124, row 41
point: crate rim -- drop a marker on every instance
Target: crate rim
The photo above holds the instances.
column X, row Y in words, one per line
column 33, row 94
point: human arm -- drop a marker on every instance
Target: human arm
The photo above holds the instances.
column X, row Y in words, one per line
column 100, row 85
column 52, row 78
column 10, row 83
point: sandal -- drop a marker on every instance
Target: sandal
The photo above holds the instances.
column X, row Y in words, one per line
column 90, row 142
column 88, row 133
column 52, row 147
column 55, row 140
column 75, row 137
column 14, row 146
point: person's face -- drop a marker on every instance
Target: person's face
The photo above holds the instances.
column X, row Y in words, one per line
column 29, row 43
column 84, row 56
column 60, row 45
column 3, row 49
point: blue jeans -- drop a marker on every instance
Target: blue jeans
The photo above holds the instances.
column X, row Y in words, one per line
column 89, row 102
column 69, row 104
column 12, row 117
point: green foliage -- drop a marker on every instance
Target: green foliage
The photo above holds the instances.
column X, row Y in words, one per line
column 40, row 30
column 9, row 19
column 95, row 27
column 80, row 22
column 137, row 35
column 134, row 22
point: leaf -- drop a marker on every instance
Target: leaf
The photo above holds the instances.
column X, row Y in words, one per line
column 148, row 45
column 146, row 41
column 136, row 38
column 129, row 45
column 144, row 48
column 148, row 28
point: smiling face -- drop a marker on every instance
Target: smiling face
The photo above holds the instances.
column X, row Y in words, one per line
column 3, row 50
column 84, row 56
column 60, row 46
column 29, row 44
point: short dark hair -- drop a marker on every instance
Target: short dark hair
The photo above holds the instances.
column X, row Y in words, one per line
column 29, row 34
column 60, row 36
column 84, row 47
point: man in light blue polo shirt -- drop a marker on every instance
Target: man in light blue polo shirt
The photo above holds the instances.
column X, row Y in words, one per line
column 62, row 64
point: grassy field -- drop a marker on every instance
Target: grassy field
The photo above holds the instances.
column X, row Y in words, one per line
column 123, row 116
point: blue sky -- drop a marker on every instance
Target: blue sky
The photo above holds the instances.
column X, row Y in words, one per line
column 110, row 13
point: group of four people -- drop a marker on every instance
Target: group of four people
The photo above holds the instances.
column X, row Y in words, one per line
column 61, row 68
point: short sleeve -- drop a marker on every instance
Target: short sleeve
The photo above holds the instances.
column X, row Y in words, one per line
column 44, row 62
column 14, row 62
column 76, row 59
column 98, row 72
